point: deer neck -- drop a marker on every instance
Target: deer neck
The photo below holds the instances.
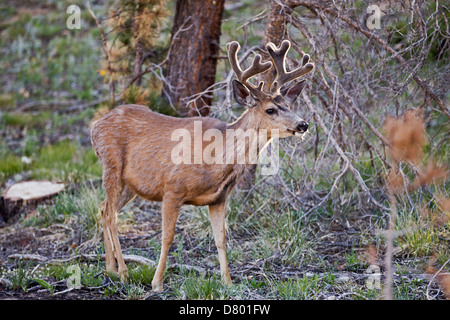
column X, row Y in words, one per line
column 249, row 136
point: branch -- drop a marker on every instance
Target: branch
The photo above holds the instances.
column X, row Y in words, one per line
column 106, row 53
column 95, row 257
column 341, row 153
column 374, row 37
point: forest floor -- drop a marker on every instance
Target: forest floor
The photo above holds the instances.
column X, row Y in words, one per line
column 49, row 249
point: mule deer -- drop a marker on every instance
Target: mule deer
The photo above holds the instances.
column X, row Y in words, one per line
column 134, row 147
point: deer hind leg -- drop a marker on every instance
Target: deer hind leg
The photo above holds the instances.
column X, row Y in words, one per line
column 117, row 195
column 109, row 254
column 170, row 209
column 217, row 217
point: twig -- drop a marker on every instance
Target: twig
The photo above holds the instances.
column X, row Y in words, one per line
column 374, row 37
column 32, row 104
column 388, row 293
column 438, row 273
column 260, row 16
column 296, row 22
column 6, row 282
column 79, row 107
column 106, row 53
column 64, row 291
column 26, row 256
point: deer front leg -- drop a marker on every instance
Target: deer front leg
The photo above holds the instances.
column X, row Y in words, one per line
column 217, row 216
column 170, row 209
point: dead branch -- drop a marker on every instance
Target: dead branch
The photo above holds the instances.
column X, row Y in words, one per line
column 341, row 153
column 130, row 258
column 106, row 53
column 373, row 37
column 296, row 22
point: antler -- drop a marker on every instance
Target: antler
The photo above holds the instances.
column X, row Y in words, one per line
column 279, row 58
column 256, row 68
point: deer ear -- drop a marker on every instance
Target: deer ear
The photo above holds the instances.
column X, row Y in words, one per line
column 290, row 94
column 241, row 94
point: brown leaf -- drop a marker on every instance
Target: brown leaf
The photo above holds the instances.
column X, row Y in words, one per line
column 406, row 136
column 431, row 174
column 394, row 181
column 371, row 255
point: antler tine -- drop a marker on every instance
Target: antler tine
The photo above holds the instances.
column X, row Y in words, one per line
column 256, row 68
column 279, row 60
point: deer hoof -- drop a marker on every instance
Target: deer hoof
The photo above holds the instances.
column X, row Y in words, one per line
column 157, row 287
column 226, row 280
column 123, row 274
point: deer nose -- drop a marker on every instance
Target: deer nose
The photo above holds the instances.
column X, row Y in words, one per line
column 302, row 126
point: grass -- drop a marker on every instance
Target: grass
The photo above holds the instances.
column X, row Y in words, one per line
column 142, row 274
column 284, row 232
column 268, row 234
column 192, row 285
column 419, row 234
column 37, row 55
column 20, row 277
column 23, row 120
column 306, row 288
column 47, row 145
column 79, row 206
column 203, row 287
column 10, row 165
column 63, row 161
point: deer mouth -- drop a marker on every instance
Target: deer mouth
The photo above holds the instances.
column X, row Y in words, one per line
column 296, row 133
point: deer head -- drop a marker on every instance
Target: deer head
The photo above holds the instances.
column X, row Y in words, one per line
column 270, row 108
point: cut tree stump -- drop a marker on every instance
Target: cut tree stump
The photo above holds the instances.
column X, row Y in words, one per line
column 21, row 195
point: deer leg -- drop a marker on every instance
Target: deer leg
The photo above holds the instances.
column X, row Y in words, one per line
column 217, row 216
column 170, row 209
column 116, row 195
column 109, row 254
column 125, row 197
column 122, row 271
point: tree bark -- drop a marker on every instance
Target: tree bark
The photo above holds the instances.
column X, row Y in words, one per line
column 194, row 48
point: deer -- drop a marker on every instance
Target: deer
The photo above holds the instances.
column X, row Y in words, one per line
column 134, row 146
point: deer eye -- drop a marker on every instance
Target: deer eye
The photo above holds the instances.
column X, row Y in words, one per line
column 270, row 111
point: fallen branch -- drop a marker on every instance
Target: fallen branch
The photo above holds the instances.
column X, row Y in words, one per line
column 35, row 103
column 130, row 258
column 82, row 257
column 29, row 257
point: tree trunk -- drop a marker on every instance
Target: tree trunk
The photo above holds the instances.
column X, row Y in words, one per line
column 139, row 49
column 191, row 67
column 24, row 194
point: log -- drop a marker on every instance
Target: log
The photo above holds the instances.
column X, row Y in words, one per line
column 16, row 198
